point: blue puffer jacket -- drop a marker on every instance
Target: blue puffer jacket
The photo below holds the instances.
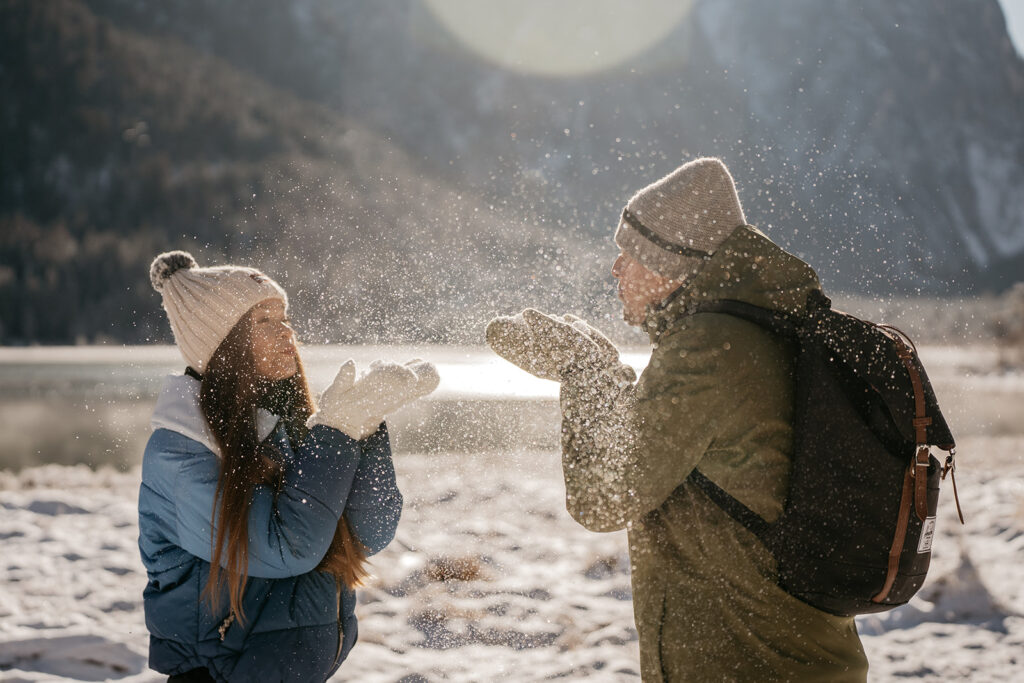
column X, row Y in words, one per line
column 299, row 626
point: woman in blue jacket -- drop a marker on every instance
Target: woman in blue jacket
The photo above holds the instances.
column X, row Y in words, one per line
column 258, row 508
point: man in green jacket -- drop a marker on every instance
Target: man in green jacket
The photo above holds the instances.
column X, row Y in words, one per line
column 717, row 395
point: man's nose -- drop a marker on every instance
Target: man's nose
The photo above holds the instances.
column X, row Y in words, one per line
column 617, row 266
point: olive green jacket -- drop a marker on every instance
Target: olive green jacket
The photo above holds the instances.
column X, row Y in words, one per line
column 717, row 395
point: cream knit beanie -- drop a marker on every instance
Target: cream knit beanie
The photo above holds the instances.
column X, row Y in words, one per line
column 674, row 225
column 203, row 304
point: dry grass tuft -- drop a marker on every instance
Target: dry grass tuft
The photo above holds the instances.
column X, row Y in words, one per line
column 447, row 568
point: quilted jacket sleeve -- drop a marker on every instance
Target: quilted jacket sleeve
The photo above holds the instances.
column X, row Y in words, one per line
column 374, row 503
column 288, row 533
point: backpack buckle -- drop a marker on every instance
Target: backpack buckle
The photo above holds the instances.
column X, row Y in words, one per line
column 950, row 468
column 920, row 459
column 950, row 464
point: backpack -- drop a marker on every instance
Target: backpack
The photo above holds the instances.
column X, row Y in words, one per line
column 855, row 534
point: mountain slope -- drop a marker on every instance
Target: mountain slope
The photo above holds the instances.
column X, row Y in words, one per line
column 883, row 141
column 119, row 145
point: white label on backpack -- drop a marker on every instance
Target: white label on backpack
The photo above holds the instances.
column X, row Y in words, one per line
column 927, row 534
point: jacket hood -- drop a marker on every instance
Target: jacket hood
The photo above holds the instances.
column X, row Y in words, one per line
column 747, row 267
column 177, row 409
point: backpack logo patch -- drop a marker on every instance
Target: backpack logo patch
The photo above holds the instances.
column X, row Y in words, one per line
column 927, row 534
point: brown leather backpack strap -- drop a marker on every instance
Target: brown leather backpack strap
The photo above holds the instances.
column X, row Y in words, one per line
column 920, row 462
column 902, row 522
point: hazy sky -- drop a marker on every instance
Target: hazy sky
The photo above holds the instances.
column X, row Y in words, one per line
column 1014, row 11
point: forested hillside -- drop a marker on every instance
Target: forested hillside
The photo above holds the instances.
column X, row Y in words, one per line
column 118, row 145
column 403, row 186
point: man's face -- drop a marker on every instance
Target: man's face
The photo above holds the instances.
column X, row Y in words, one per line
column 638, row 287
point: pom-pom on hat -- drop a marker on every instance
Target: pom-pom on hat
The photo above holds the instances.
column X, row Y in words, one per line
column 673, row 225
column 203, row 304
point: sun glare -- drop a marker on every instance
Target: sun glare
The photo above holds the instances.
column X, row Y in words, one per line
column 563, row 38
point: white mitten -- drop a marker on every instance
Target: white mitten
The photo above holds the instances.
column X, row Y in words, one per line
column 548, row 347
column 427, row 378
column 358, row 406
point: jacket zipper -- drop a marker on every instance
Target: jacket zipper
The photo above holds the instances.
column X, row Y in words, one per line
column 337, row 606
column 223, row 628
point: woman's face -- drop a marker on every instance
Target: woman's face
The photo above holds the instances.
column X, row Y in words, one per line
column 273, row 341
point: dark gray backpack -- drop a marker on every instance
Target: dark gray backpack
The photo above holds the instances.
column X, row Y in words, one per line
column 856, row 531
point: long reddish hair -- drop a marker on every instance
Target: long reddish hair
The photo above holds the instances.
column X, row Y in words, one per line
column 231, row 390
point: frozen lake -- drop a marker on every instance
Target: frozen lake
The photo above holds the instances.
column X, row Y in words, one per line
column 135, row 372
column 91, row 405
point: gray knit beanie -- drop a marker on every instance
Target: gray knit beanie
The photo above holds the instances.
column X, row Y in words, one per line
column 203, row 304
column 674, row 225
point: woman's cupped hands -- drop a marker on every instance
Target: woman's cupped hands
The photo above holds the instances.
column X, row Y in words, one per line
column 357, row 404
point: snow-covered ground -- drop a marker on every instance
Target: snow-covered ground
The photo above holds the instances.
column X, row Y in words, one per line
column 489, row 578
